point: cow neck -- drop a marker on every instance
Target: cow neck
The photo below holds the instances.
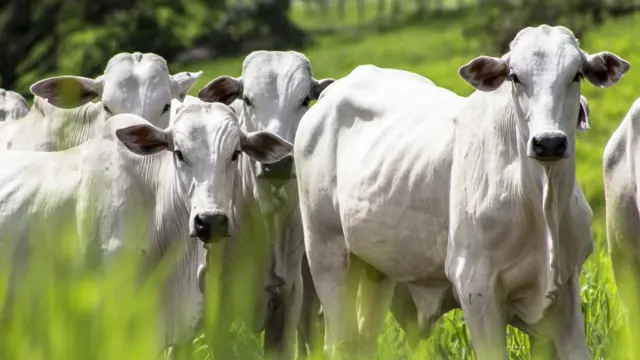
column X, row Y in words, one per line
column 158, row 173
column 245, row 188
column 76, row 125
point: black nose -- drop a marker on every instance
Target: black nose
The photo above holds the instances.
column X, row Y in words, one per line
column 211, row 226
column 549, row 146
column 281, row 170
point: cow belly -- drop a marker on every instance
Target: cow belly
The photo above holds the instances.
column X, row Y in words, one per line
column 409, row 245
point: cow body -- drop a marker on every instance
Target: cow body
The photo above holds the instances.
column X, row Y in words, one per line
column 366, row 161
column 62, row 115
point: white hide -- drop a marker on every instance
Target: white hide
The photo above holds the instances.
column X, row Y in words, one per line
column 272, row 94
column 372, row 161
column 621, row 170
column 12, row 106
column 63, row 116
column 137, row 198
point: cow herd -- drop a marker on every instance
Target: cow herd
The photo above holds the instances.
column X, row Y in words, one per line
column 389, row 193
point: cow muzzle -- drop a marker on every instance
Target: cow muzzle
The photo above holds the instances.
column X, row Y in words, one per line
column 548, row 146
column 210, row 226
column 281, row 170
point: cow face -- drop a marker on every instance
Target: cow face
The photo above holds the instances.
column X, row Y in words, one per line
column 12, row 105
column 274, row 92
column 135, row 83
column 207, row 144
column 545, row 66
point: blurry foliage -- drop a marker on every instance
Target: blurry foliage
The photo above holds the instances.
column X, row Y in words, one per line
column 43, row 37
column 498, row 21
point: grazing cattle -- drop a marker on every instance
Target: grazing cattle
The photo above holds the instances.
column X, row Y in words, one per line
column 473, row 204
column 12, row 106
column 273, row 93
column 621, row 168
column 137, row 189
column 63, row 116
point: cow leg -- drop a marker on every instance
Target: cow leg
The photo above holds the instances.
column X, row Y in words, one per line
column 281, row 330
column 623, row 229
column 335, row 277
column 309, row 330
column 374, row 300
column 404, row 310
column 483, row 311
column 570, row 341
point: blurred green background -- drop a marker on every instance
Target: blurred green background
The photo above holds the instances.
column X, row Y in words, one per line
column 68, row 314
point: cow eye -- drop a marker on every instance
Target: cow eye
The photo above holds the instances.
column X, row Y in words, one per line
column 107, row 109
column 306, row 101
column 179, row 155
column 514, row 78
column 166, row 108
column 578, row 77
column 235, row 155
column 246, row 100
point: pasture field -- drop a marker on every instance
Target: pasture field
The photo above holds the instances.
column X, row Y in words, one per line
column 65, row 313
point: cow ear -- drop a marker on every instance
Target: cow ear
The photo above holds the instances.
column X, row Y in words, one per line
column 605, row 69
column 583, row 115
column 182, row 83
column 68, row 91
column 317, row 87
column 485, row 73
column 265, row 147
column 224, row 89
column 145, row 139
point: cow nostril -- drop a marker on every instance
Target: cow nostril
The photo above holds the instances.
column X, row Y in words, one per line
column 199, row 223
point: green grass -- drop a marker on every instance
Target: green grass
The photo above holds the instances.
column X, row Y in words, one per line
column 82, row 319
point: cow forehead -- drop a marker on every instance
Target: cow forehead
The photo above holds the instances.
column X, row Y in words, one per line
column 136, row 74
column 208, row 122
column 280, row 72
column 545, row 47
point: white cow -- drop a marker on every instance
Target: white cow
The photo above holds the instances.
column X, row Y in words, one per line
column 463, row 199
column 273, row 93
column 519, row 223
column 123, row 193
column 12, row 106
column 621, row 165
column 63, row 116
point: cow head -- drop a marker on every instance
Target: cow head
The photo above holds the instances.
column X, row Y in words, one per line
column 274, row 92
column 12, row 105
column 135, row 83
column 206, row 142
column 545, row 66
